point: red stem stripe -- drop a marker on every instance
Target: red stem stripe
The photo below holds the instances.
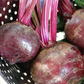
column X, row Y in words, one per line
column 22, row 4
column 53, row 21
column 28, row 12
column 39, row 10
column 28, row 3
column 44, row 22
column 66, row 9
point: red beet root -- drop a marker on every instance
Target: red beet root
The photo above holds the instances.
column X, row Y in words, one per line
column 61, row 64
column 18, row 42
column 74, row 29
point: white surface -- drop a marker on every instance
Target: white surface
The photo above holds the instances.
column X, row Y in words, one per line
column 60, row 36
column 2, row 81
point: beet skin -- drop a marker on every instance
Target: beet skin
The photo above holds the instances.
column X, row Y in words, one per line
column 74, row 29
column 18, row 42
column 61, row 64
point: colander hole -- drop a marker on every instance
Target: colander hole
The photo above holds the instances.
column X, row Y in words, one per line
column 3, row 65
column 75, row 5
column 21, row 78
column 8, row 3
column 4, row 8
column 11, row 77
column 1, row 58
column 0, row 14
column 8, row 71
column 25, row 74
column 9, row 11
column 6, row 16
column 18, row 71
column 11, row 18
column 8, row 78
column 29, row 81
column 5, row 71
column 13, row 83
column 2, row 22
column 17, row 19
column 0, row 65
column 2, row 71
column 31, row 76
column 15, row 12
column 6, row 64
column 14, row 5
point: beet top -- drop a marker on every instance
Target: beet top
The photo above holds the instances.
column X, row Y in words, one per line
column 18, row 42
column 61, row 64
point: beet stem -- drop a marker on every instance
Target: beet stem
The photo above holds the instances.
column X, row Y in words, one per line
column 31, row 24
column 22, row 8
column 39, row 10
column 28, row 3
column 44, row 22
column 53, row 21
column 66, row 9
column 38, row 32
column 35, row 19
column 28, row 12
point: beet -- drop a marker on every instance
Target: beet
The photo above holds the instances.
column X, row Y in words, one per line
column 18, row 42
column 60, row 64
column 74, row 29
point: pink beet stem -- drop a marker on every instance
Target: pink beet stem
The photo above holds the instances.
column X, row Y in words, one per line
column 68, row 3
column 42, row 25
column 60, row 11
column 35, row 18
column 31, row 24
column 63, row 8
column 53, row 21
column 22, row 7
column 28, row 12
column 66, row 9
column 28, row 3
column 38, row 32
column 39, row 11
column 44, row 22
